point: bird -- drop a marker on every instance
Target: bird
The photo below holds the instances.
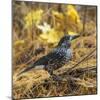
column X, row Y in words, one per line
column 55, row 59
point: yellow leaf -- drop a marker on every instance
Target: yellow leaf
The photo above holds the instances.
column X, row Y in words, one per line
column 33, row 17
column 73, row 19
column 44, row 36
column 72, row 33
column 59, row 20
column 58, row 15
column 72, row 14
column 19, row 42
column 53, row 36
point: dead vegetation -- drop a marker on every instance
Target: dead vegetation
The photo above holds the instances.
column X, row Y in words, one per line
column 30, row 43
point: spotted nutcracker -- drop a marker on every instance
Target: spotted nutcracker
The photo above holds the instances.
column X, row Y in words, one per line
column 58, row 57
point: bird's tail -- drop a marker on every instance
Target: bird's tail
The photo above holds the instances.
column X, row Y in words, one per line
column 26, row 69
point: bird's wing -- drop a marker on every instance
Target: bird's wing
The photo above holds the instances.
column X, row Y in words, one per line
column 42, row 61
column 46, row 59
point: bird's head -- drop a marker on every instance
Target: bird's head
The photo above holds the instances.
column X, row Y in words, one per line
column 66, row 40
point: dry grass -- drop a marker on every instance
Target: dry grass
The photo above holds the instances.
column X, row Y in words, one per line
column 37, row 83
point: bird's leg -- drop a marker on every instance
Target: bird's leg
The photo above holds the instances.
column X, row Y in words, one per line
column 54, row 77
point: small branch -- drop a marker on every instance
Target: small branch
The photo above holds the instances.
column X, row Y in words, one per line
column 80, row 71
column 82, row 60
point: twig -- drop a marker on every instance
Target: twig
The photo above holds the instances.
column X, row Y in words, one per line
column 81, row 60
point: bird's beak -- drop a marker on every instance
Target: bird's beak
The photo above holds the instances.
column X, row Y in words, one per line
column 74, row 37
